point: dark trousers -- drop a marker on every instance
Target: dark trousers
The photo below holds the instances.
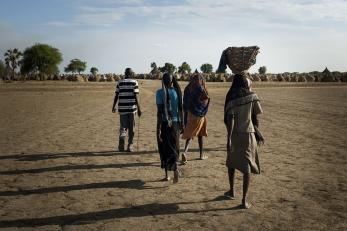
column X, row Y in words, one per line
column 127, row 124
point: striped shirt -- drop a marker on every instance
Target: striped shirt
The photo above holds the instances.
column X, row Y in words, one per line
column 127, row 89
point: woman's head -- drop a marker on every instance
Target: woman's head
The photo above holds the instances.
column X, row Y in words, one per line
column 240, row 81
column 197, row 79
column 167, row 79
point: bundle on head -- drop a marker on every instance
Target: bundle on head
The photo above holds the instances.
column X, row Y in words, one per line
column 238, row 59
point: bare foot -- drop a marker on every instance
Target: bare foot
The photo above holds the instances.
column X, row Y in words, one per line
column 176, row 176
column 245, row 204
column 184, row 159
column 230, row 195
column 203, row 157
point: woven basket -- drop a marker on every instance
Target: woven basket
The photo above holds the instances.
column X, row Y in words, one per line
column 241, row 58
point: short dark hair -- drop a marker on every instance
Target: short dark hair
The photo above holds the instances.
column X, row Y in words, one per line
column 128, row 72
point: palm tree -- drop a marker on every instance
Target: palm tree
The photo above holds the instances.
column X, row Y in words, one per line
column 12, row 60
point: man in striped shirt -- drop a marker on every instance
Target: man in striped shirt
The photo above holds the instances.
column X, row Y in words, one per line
column 127, row 91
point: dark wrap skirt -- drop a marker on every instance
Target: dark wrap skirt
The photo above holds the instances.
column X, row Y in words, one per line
column 169, row 148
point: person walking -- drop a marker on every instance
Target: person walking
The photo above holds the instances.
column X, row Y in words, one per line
column 169, row 124
column 126, row 94
column 195, row 104
column 241, row 111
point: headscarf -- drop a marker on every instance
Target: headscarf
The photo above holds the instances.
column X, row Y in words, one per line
column 239, row 88
column 195, row 81
column 196, row 99
column 239, row 92
column 167, row 80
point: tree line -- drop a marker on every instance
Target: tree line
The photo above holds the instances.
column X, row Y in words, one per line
column 41, row 60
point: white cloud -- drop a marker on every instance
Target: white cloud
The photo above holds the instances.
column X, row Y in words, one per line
column 218, row 12
column 59, row 24
column 98, row 19
column 159, row 45
column 112, row 35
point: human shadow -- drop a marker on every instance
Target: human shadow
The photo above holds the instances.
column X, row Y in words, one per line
column 216, row 149
column 153, row 209
column 78, row 167
column 48, row 156
column 129, row 184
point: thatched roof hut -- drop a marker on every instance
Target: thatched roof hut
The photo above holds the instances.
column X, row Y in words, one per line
column 327, row 76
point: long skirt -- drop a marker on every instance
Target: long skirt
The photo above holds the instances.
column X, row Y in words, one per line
column 196, row 126
column 244, row 153
column 169, row 148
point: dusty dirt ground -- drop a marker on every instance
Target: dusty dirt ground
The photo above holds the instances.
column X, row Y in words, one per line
column 59, row 169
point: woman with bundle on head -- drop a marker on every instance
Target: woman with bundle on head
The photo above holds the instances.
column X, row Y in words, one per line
column 169, row 124
column 241, row 112
column 195, row 105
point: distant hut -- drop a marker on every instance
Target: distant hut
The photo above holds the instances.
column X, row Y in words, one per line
column 327, row 76
column 326, row 71
column 310, row 78
column 115, row 77
column 280, row 78
column 294, row 78
column 302, row 78
column 256, row 77
column 344, row 77
column 109, row 78
column 264, row 78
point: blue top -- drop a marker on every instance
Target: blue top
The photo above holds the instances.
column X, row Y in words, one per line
column 173, row 100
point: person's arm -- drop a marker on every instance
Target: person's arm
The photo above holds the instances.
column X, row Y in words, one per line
column 115, row 100
column 139, row 112
column 160, row 109
column 255, row 120
column 230, row 127
column 204, row 94
column 136, row 92
column 159, row 121
column 225, row 108
column 256, row 110
column 185, row 106
column 181, row 121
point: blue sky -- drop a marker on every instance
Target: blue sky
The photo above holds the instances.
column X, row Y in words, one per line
column 293, row 35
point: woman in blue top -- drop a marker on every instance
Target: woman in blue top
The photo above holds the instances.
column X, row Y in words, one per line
column 169, row 124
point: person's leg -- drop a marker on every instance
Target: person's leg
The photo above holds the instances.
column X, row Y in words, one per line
column 176, row 131
column 231, row 193
column 184, row 154
column 187, row 145
column 246, row 182
column 176, row 176
column 201, row 146
column 167, row 178
column 131, row 133
column 122, row 133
